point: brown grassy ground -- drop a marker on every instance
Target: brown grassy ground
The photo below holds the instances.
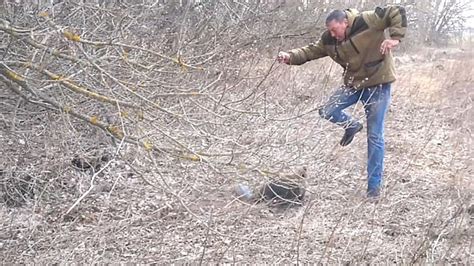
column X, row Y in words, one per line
column 423, row 216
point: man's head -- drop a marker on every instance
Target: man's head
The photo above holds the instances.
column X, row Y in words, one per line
column 337, row 23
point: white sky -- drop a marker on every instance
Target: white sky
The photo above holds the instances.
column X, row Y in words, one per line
column 470, row 14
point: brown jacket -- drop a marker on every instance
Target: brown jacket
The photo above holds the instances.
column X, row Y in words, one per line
column 359, row 55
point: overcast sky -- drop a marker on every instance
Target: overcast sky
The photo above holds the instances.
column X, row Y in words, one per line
column 470, row 14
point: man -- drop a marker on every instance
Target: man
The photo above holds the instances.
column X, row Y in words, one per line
column 357, row 42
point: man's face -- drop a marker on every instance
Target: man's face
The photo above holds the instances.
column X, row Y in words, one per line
column 338, row 29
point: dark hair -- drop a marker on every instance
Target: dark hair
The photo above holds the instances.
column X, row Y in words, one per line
column 337, row 15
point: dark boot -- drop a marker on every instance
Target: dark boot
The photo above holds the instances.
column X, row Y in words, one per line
column 350, row 133
column 373, row 193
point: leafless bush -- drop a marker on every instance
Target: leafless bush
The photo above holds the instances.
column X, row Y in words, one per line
column 135, row 119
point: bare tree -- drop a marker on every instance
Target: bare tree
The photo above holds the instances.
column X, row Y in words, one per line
column 126, row 125
column 437, row 20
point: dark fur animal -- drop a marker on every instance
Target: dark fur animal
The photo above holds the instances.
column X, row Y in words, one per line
column 288, row 189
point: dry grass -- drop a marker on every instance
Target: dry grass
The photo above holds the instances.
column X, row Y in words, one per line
column 152, row 208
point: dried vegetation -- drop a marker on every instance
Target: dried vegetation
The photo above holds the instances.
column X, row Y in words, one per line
column 126, row 127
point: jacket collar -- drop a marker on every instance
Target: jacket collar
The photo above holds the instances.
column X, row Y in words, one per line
column 351, row 15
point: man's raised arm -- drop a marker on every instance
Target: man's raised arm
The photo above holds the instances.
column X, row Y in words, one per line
column 302, row 55
column 392, row 17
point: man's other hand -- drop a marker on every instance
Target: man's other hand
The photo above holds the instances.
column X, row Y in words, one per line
column 388, row 45
column 283, row 57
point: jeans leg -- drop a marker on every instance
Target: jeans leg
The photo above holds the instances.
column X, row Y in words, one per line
column 340, row 100
column 376, row 101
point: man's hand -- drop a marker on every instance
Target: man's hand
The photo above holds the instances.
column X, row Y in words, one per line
column 388, row 45
column 283, row 57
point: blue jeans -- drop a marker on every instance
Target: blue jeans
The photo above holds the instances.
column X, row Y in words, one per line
column 376, row 100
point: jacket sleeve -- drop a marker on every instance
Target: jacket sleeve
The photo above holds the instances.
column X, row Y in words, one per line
column 307, row 53
column 392, row 17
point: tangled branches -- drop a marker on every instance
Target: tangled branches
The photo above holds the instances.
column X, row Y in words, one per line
column 192, row 88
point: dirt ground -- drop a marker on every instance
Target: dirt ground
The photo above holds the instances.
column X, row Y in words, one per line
column 425, row 215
